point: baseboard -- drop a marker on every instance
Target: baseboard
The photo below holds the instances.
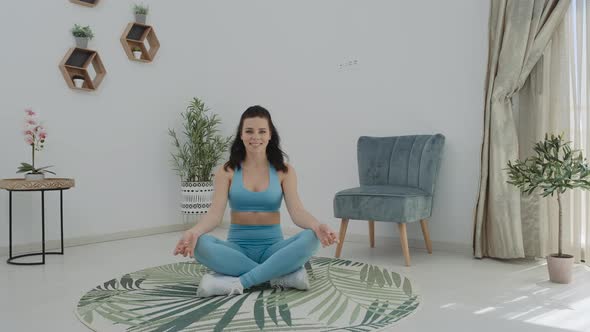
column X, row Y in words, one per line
column 395, row 241
column 83, row 240
column 288, row 230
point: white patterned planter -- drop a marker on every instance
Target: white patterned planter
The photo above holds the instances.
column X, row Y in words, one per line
column 196, row 197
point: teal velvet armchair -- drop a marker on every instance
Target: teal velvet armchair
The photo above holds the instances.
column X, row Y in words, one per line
column 397, row 176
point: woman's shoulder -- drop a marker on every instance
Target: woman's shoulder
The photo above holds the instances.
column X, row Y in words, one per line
column 289, row 170
column 288, row 166
column 224, row 173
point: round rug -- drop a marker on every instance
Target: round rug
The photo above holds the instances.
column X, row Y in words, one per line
column 344, row 295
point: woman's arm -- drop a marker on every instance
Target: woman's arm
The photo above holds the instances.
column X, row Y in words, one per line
column 214, row 215
column 299, row 215
column 221, row 182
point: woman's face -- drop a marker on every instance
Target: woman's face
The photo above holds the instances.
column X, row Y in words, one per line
column 255, row 134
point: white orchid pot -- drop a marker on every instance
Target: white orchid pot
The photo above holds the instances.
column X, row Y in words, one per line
column 78, row 82
column 34, row 176
column 196, row 197
column 137, row 54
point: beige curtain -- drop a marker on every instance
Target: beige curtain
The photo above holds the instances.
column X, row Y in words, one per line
column 555, row 99
column 519, row 32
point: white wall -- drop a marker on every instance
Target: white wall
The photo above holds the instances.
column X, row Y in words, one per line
column 420, row 69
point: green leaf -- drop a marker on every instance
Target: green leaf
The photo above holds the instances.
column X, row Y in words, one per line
column 380, row 311
column 88, row 317
column 138, row 282
column 371, row 277
column 330, row 308
column 272, row 309
column 230, row 314
column 126, row 282
column 111, row 284
column 185, row 320
column 202, row 147
column 25, row 168
column 338, row 312
column 387, row 277
column 355, row 313
column 372, row 308
column 396, row 279
column 323, row 303
column 259, row 310
column 285, row 313
column 364, row 272
column 407, row 287
column 379, row 277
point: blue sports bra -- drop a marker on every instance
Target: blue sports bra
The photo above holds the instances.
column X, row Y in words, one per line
column 242, row 199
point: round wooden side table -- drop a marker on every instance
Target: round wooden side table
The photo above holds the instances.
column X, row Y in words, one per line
column 49, row 184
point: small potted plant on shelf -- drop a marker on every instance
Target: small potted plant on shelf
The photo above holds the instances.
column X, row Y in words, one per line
column 195, row 158
column 78, row 81
column 136, row 52
column 35, row 136
column 555, row 169
column 82, row 35
column 141, row 12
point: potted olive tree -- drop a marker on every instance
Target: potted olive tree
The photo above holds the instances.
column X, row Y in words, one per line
column 82, row 35
column 195, row 157
column 555, row 169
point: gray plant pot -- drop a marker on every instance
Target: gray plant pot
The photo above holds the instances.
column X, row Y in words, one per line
column 81, row 42
column 560, row 268
column 140, row 18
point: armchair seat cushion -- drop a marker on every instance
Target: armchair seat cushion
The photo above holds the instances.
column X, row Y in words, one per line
column 383, row 203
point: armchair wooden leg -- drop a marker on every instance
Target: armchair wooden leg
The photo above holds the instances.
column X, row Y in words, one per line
column 372, row 233
column 342, row 234
column 424, row 224
column 404, row 240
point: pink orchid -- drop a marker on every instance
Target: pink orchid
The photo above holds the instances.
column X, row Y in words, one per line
column 35, row 136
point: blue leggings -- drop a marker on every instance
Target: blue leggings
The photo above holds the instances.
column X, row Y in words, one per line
column 256, row 253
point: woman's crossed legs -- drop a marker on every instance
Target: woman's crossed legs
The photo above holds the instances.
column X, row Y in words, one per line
column 239, row 260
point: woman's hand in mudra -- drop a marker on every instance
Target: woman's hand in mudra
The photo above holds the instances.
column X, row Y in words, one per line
column 325, row 234
column 186, row 244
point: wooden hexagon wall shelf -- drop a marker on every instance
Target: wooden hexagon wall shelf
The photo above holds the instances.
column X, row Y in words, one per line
column 87, row 3
column 82, row 63
column 136, row 35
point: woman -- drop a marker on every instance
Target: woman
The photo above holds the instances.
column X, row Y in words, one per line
column 254, row 180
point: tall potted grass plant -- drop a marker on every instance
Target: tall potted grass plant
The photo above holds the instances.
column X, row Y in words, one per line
column 196, row 153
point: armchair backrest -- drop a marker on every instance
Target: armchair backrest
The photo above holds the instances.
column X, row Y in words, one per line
column 400, row 160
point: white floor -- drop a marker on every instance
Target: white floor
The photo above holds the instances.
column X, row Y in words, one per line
column 459, row 293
